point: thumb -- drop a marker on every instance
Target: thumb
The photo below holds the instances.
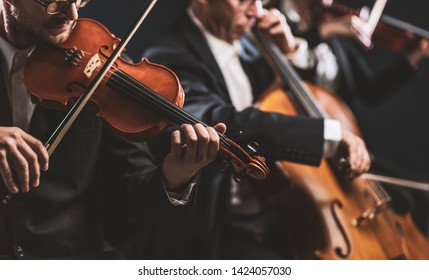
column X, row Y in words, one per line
column 220, row 127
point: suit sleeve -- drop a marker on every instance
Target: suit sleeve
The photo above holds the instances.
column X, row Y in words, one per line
column 135, row 178
column 281, row 137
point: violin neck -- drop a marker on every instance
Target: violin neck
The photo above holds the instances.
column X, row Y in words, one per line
column 127, row 85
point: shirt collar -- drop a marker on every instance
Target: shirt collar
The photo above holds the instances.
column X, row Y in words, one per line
column 9, row 52
column 222, row 50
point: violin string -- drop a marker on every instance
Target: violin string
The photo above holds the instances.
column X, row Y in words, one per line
column 188, row 119
column 121, row 80
column 172, row 110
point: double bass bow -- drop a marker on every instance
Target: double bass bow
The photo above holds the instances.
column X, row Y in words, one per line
column 138, row 101
column 326, row 214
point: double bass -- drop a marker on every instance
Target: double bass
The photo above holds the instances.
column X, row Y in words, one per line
column 327, row 215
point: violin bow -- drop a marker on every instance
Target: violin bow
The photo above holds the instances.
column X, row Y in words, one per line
column 74, row 112
column 375, row 15
column 58, row 134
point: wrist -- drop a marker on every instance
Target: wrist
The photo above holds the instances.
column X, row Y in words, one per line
column 175, row 182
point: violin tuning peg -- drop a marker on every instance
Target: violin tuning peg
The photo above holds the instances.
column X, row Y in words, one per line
column 239, row 177
column 252, row 148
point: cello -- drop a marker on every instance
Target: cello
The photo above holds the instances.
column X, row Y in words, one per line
column 327, row 215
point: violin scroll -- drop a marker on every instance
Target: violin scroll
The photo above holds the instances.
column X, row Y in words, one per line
column 251, row 165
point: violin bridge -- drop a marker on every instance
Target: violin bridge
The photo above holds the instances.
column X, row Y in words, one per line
column 92, row 65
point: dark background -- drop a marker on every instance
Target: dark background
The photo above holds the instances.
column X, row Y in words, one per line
column 396, row 130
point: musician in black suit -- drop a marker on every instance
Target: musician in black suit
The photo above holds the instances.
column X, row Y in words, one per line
column 222, row 74
column 334, row 54
column 58, row 211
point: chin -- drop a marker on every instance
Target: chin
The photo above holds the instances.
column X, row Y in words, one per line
column 57, row 39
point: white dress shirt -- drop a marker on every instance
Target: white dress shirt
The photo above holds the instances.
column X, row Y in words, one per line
column 238, row 84
column 228, row 59
column 321, row 56
column 240, row 92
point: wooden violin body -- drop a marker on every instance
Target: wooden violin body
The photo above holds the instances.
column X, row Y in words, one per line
column 123, row 114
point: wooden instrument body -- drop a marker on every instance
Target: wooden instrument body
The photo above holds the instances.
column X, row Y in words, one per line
column 318, row 212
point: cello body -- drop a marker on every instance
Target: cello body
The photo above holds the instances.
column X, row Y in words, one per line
column 328, row 216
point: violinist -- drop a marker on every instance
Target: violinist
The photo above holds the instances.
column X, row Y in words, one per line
column 332, row 53
column 58, row 215
column 223, row 74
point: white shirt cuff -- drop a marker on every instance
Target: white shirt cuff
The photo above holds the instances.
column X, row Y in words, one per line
column 184, row 197
column 332, row 135
column 302, row 57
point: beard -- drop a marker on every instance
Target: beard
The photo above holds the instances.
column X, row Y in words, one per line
column 31, row 29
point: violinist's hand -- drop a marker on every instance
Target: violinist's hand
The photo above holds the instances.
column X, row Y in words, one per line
column 23, row 155
column 359, row 158
column 349, row 26
column 185, row 160
column 421, row 52
column 275, row 23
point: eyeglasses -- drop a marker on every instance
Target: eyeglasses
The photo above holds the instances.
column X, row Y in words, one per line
column 54, row 7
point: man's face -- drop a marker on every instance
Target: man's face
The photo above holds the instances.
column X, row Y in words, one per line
column 231, row 19
column 29, row 20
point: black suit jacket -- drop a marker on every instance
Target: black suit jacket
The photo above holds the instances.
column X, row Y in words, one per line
column 280, row 137
column 359, row 81
column 95, row 179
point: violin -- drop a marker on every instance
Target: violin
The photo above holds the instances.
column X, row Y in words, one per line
column 137, row 101
column 326, row 214
column 389, row 32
